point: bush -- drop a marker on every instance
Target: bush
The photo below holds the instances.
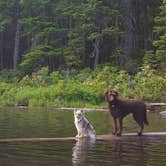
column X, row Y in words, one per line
column 82, row 89
column 149, row 86
column 8, row 76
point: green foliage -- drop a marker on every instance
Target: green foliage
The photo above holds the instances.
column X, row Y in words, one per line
column 69, row 29
column 68, row 35
column 160, row 43
column 4, row 87
column 35, row 58
column 7, row 76
column 82, row 89
column 150, row 59
column 149, row 86
column 55, row 77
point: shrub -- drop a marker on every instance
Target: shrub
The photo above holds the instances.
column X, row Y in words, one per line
column 85, row 88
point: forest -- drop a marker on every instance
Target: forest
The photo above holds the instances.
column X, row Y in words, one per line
column 69, row 52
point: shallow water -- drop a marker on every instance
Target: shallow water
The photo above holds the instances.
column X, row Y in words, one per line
column 17, row 123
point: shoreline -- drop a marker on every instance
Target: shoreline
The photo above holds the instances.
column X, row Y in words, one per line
column 152, row 107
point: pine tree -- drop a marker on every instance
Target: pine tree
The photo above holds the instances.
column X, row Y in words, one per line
column 160, row 43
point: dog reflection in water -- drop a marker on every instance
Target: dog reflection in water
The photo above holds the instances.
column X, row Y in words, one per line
column 84, row 128
column 81, row 149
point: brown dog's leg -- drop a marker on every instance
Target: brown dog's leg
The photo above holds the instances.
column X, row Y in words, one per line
column 115, row 126
column 120, row 126
column 141, row 129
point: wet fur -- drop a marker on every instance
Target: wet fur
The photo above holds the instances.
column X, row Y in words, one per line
column 84, row 128
column 121, row 108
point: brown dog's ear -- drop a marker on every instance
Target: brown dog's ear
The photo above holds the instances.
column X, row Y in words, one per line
column 106, row 93
column 116, row 93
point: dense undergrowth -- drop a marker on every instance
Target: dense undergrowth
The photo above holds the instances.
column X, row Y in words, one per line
column 85, row 88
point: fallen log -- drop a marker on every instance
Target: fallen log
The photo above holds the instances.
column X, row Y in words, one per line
column 84, row 109
column 106, row 137
column 134, row 136
column 156, row 107
column 150, row 106
column 35, row 139
column 156, row 104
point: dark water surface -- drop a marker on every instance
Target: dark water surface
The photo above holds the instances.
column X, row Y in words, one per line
column 19, row 123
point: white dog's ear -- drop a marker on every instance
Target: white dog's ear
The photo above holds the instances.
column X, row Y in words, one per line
column 81, row 111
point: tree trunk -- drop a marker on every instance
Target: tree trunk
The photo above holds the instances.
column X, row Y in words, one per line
column 16, row 16
column 1, row 50
column 128, row 28
column 96, row 52
column 16, row 47
column 35, row 41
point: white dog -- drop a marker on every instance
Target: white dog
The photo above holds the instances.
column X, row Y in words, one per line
column 84, row 128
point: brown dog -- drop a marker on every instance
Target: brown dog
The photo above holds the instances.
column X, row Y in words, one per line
column 120, row 108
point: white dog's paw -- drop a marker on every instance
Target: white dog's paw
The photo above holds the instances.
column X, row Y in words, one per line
column 78, row 136
column 82, row 136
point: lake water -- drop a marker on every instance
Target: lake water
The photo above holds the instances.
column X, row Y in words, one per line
column 19, row 123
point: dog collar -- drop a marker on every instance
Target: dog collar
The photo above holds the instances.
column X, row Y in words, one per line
column 113, row 105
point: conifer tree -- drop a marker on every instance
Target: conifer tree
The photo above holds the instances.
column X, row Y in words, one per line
column 160, row 42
